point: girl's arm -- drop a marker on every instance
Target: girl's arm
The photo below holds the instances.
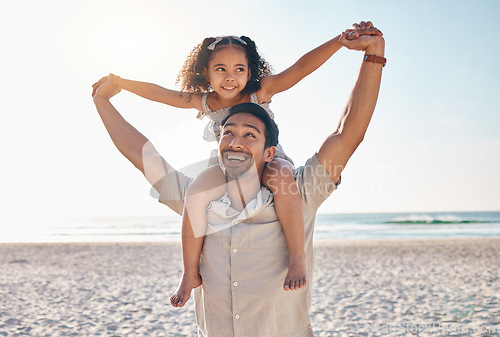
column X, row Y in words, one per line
column 308, row 63
column 157, row 93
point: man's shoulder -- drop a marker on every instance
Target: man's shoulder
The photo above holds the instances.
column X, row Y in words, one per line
column 313, row 182
column 173, row 190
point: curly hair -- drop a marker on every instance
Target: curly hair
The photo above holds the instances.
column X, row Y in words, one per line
column 191, row 77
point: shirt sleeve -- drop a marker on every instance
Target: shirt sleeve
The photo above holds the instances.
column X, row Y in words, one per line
column 173, row 190
column 314, row 183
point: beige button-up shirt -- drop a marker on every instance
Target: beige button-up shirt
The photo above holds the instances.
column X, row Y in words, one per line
column 245, row 259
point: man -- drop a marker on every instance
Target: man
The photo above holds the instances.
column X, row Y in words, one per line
column 245, row 258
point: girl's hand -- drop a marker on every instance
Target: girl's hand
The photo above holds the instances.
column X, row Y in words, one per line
column 105, row 88
column 361, row 29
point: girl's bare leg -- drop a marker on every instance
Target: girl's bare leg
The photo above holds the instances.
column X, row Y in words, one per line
column 278, row 177
column 191, row 250
column 208, row 186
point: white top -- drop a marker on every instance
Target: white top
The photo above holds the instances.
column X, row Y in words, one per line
column 212, row 130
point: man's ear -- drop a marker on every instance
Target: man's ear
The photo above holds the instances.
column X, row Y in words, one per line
column 269, row 153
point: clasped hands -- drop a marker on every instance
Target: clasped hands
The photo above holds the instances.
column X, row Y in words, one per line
column 362, row 36
column 106, row 86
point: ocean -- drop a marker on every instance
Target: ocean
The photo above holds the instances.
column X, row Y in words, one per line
column 328, row 227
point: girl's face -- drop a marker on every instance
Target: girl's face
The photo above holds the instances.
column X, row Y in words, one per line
column 228, row 71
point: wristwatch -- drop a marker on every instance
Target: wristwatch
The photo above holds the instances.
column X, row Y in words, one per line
column 375, row 59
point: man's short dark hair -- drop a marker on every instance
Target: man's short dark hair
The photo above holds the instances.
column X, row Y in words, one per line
column 271, row 132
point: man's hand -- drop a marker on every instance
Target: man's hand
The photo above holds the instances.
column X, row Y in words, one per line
column 363, row 36
column 105, row 88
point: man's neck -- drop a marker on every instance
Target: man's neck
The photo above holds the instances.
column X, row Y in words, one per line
column 244, row 189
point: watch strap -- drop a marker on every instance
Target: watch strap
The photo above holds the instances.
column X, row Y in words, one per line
column 375, row 59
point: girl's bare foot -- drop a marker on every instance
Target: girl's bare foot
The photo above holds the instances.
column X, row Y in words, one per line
column 189, row 282
column 296, row 277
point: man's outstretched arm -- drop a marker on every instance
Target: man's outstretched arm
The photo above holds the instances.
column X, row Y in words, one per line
column 128, row 140
column 340, row 145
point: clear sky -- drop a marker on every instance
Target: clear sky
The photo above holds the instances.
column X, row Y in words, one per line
column 433, row 144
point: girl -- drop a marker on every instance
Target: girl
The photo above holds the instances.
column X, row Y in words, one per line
column 219, row 73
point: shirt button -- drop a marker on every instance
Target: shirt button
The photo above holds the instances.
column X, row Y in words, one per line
column 235, row 284
column 237, row 316
column 235, row 250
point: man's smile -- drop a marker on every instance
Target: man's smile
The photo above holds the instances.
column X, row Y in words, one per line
column 235, row 157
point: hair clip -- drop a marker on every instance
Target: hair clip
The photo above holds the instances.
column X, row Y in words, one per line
column 240, row 40
column 219, row 39
column 213, row 44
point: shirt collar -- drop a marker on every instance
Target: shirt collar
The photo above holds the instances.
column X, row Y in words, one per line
column 222, row 207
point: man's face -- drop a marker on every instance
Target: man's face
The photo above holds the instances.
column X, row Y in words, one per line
column 242, row 145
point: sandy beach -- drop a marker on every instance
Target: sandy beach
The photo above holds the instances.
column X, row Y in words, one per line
column 362, row 288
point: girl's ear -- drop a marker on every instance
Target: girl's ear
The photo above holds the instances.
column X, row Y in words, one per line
column 249, row 74
column 205, row 74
